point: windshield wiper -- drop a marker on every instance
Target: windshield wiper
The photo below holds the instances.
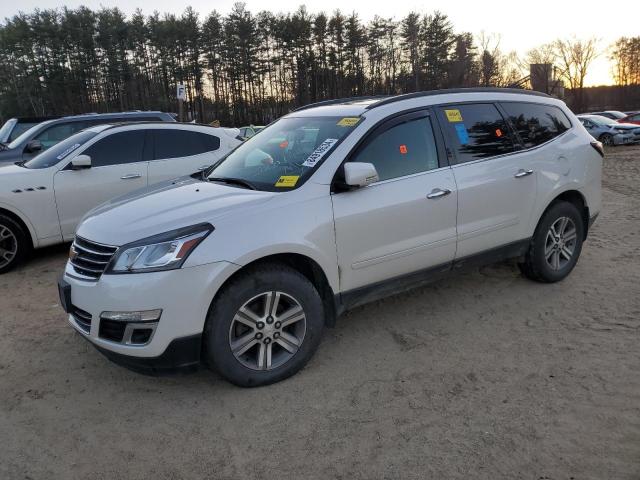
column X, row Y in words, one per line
column 234, row 181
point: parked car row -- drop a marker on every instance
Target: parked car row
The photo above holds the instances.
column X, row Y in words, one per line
column 46, row 134
column 620, row 117
column 334, row 205
column 609, row 131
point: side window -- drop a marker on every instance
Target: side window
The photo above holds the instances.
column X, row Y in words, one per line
column 403, row 149
column 116, row 149
column 477, row 131
column 57, row 133
column 536, row 124
column 171, row 143
column 635, row 118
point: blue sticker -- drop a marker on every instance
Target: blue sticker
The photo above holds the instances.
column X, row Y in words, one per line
column 463, row 136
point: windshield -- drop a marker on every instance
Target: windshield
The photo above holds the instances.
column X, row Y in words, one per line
column 6, row 129
column 285, row 154
column 61, row 150
column 26, row 135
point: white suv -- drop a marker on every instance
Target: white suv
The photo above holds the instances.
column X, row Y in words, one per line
column 42, row 200
column 331, row 206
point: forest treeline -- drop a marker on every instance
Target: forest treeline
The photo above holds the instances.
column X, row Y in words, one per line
column 238, row 68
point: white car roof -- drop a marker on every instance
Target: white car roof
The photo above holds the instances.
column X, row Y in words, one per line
column 358, row 106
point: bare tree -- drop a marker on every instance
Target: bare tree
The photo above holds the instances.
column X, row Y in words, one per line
column 574, row 57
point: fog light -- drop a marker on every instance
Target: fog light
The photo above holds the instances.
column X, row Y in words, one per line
column 139, row 316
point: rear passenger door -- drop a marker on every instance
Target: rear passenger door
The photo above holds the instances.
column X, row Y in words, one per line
column 496, row 184
column 117, row 168
column 181, row 152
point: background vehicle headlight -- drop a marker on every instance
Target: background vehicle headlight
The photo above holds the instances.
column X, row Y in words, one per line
column 167, row 251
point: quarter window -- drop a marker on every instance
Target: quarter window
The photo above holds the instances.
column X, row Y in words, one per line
column 116, row 149
column 401, row 150
column 183, row 143
column 477, row 131
column 536, row 124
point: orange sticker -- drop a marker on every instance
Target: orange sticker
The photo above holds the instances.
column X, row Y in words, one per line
column 403, row 149
column 284, row 144
column 498, row 132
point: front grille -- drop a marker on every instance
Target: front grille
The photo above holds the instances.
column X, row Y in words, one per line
column 82, row 318
column 90, row 259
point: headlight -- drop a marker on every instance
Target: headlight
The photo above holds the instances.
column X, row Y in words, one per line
column 167, row 251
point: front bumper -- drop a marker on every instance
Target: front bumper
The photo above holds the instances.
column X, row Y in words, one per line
column 184, row 295
column 624, row 139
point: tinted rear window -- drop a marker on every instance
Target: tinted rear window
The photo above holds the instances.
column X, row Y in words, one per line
column 536, row 124
column 183, row 143
column 476, row 130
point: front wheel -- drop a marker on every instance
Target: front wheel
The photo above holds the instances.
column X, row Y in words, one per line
column 556, row 244
column 607, row 139
column 264, row 326
column 13, row 244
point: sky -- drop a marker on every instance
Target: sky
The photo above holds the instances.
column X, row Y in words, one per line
column 520, row 26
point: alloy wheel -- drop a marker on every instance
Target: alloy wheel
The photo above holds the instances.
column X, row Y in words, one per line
column 560, row 243
column 8, row 246
column 267, row 331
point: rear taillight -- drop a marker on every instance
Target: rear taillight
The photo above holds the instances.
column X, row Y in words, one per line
column 597, row 146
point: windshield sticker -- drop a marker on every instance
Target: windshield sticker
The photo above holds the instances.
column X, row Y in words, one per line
column 453, row 115
column 284, row 144
column 287, row 181
column 319, row 152
column 463, row 136
column 403, row 149
column 498, row 132
column 68, row 151
column 348, row 122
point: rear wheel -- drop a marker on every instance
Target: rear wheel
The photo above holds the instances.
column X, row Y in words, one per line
column 556, row 244
column 13, row 244
column 264, row 326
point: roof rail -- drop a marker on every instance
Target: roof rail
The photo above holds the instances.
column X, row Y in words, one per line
column 429, row 93
column 337, row 101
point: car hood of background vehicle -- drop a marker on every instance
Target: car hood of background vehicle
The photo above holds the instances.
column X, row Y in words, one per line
column 626, row 126
column 10, row 155
column 164, row 207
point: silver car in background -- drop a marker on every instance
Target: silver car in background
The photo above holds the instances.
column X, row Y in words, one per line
column 610, row 132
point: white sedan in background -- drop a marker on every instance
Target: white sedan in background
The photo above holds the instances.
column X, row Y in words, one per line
column 43, row 200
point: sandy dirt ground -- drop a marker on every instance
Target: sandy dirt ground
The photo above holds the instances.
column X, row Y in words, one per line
column 483, row 375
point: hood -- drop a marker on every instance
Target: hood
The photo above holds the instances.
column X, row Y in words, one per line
column 10, row 155
column 164, row 207
column 626, row 126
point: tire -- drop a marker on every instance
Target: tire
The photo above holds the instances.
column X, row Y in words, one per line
column 239, row 321
column 607, row 139
column 14, row 244
column 542, row 266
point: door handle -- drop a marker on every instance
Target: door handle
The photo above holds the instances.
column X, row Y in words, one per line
column 523, row 173
column 131, row 176
column 438, row 192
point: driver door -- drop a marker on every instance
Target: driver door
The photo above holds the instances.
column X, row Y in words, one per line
column 405, row 222
column 117, row 168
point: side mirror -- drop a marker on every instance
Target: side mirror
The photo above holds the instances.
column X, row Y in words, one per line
column 81, row 162
column 360, row 174
column 33, row 146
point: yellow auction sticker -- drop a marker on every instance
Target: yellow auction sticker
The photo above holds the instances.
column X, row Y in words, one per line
column 453, row 115
column 287, row 181
column 348, row 121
